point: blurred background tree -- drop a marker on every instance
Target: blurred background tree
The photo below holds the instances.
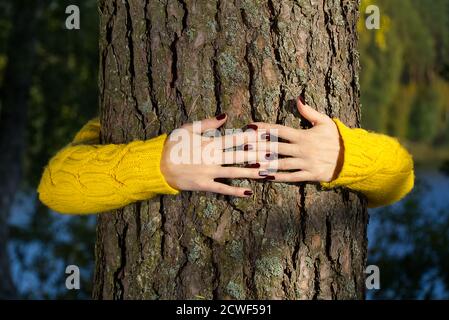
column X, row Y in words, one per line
column 405, row 93
column 62, row 97
column 405, row 75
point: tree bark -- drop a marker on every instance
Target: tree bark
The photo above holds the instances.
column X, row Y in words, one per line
column 165, row 63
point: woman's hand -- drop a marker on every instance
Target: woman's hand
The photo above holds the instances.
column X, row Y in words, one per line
column 315, row 154
column 191, row 161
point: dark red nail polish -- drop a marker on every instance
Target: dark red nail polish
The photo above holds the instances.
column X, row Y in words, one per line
column 266, row 136
column 247, row 147
column 269, row 178
column 253, row 166
column 263, row 173
column 248, row 193
column 301, row 98
column 268, row 156
column 250, row 127
column 221, row 116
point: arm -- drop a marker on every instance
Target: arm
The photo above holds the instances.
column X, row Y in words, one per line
column 375, row 165
column 86, row 177
column 337, row 156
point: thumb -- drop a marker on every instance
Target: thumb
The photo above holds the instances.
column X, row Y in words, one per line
column 211, row 123
column 313, row 116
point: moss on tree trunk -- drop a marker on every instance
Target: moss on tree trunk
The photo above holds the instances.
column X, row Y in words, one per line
column 168, row 62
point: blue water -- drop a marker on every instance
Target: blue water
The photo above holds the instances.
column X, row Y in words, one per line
column 432, row 191
column 435, row 198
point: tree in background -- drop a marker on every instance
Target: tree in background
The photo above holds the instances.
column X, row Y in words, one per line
column 61, row 95
column 405, row 64
column 14, row 95
column 171, row 62
column 405, row 92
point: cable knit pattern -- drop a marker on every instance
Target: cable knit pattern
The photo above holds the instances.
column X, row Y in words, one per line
column 375, row 165
column 86, row 177
column 89, row 134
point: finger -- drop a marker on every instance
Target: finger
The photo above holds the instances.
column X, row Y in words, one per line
column 309, row 113
column 237, row 173
column 229, row 191
column 298, row 176
column 280, row 131
column 236, row 139
column 284, row 164
column 285, row 149
column 206, row 124
column 238, row 157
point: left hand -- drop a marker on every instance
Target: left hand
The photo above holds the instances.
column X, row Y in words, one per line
column 314, row 155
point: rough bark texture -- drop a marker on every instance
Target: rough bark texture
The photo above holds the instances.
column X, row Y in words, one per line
column 167, row 62
column 14, row 96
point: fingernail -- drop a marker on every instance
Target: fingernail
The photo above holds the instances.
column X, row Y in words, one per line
column 253, row 166
column 248, row 193
column 264, row 173
column 269, row 178
column 221, row 116
column 250, row 127
column 268, row 156
column 302, row 100
column 266, row 136
column 247, row 147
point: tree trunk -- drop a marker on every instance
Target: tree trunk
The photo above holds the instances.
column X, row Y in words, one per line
column 13, row 121
column 165, row 63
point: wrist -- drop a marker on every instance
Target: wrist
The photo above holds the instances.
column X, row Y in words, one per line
column 341, row 155
column 354, row 164
column 167, row 168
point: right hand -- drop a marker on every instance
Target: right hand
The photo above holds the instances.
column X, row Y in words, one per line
column 200, row 175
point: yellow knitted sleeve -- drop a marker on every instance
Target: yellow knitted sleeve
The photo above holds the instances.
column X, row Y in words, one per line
column 375, row 165
column 86, row 177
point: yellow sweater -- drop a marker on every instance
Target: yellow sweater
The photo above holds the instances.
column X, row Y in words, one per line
column 86, row 177
column 375, row 165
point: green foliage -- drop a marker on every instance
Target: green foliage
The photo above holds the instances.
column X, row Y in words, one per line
column 63, row 96
column 405, row 92
column 404, row 77
column 64, row 93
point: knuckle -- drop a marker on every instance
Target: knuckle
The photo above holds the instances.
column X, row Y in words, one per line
column 199, row 185
column 186, row 127
column 298, row 150
column 205, row 184
column 233, row 173
column 221, row 189
column 317, row 174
